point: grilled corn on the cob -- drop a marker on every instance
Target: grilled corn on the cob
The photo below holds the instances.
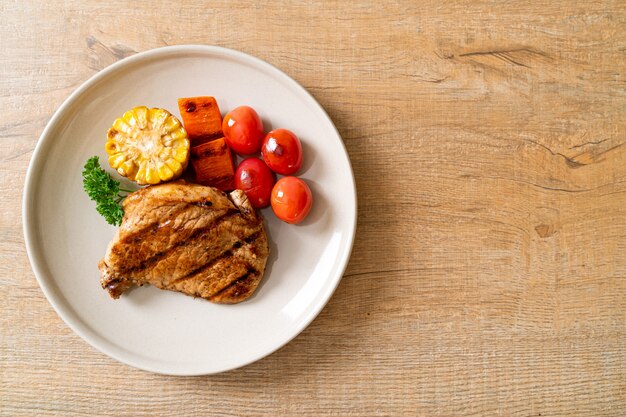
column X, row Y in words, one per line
column 148, row 146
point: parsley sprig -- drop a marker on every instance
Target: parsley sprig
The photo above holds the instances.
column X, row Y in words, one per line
column 105, row 191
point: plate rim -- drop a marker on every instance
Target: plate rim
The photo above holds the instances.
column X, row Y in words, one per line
column 36, row 259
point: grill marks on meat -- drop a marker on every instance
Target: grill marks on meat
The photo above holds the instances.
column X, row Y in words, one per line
column 187, row 238
column 214, row 262
column 170, row 238
column 235, row 274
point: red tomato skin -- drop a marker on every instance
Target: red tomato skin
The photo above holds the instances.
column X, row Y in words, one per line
column 282, row 151
column 291, row 199
column 256, row 180
column 243, row 130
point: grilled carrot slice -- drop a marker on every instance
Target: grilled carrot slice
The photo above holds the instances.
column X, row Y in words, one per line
column 202, row 119
column 213, row 164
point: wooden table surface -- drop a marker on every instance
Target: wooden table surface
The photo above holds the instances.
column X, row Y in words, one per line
column 488, row 275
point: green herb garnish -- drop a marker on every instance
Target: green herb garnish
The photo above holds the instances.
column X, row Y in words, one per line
column 105, row 191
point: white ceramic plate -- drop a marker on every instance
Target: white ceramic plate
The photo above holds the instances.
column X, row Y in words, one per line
column 163, row 331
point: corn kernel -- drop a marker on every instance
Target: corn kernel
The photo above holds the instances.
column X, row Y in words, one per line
column 171, row 124
column 121, row 125
column 178, row 133
column 140, row 177
column 165, row 172
column 127, row 169
column 116, row 160
column 111, row 147
column 130, row 118
column 141, row 114
column 174, row 165
column 158, row 118
column 152, row 175
column 181, row 154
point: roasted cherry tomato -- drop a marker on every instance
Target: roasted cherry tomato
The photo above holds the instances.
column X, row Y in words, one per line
column 256, row 180
column 243, row 130
column 282, row 151
column 291, row 199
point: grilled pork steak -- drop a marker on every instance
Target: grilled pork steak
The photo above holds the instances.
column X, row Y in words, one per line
column 188, row 238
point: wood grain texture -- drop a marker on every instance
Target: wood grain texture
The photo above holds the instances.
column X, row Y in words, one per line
column 489, row 270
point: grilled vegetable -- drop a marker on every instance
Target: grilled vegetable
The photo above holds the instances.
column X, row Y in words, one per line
column 291, row 199
column 104, row 190
column 282, row 151
column 202, row 118
column 243, row 130
column 148, row 146
column 255, row 179
column 213, row 164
